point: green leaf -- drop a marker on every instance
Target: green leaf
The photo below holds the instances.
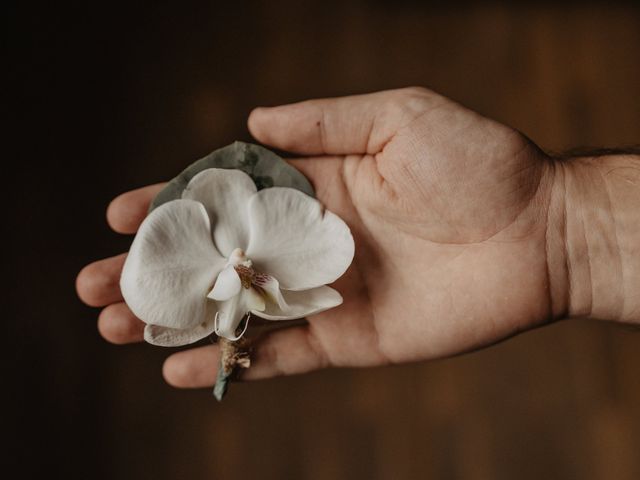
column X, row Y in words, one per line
column 264, row 167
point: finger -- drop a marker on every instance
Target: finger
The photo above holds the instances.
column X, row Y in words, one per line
column 193, row 368
column 283, row 352
column 288, row 351
column 356, row 124
column 119, row 325
column 98, row 284
column 126, row 212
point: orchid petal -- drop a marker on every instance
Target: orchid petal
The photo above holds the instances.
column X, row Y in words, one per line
column 294, row 239
column 253, row 300
column 171, row 266
column 302, row 304
column 225, row 194
column 227, row 285
column 271, row 288
column 173, row 337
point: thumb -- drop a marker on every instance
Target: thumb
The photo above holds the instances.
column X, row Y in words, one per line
column 358, row 124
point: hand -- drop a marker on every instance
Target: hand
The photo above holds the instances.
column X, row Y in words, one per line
column 449, row 215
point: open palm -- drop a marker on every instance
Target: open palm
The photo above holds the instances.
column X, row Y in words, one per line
column 448, row 212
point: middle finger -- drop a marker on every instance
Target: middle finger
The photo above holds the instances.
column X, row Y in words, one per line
column 98, row 284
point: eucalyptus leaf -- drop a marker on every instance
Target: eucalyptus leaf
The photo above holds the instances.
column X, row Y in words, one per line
column 265, row 168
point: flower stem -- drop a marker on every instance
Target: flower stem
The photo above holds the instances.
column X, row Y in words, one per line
column 233, row 355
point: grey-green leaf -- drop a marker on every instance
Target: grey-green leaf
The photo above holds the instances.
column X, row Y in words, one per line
column 265, row 168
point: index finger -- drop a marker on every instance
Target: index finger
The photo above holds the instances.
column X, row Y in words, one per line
column 126, row 212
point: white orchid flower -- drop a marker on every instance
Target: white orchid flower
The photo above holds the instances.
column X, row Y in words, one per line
column 202, row 263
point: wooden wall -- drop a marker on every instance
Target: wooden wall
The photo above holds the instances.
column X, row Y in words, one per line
column 111, row 97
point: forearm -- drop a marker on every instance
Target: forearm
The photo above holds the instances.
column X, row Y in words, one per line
column 593, row 237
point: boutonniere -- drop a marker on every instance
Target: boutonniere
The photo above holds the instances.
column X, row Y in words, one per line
column 236, row 235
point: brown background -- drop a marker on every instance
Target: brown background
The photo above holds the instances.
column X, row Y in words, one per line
column 107, row 98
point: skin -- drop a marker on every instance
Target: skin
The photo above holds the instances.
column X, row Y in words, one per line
column 466, row 234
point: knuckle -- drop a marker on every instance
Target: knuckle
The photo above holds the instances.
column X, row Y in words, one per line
column 416, row 91
column 409, row 95
column 410, row 101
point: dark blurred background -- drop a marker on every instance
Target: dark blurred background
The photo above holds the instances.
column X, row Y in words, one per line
column 104, row 97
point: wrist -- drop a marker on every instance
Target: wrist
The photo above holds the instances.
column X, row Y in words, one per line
column 593, row 238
